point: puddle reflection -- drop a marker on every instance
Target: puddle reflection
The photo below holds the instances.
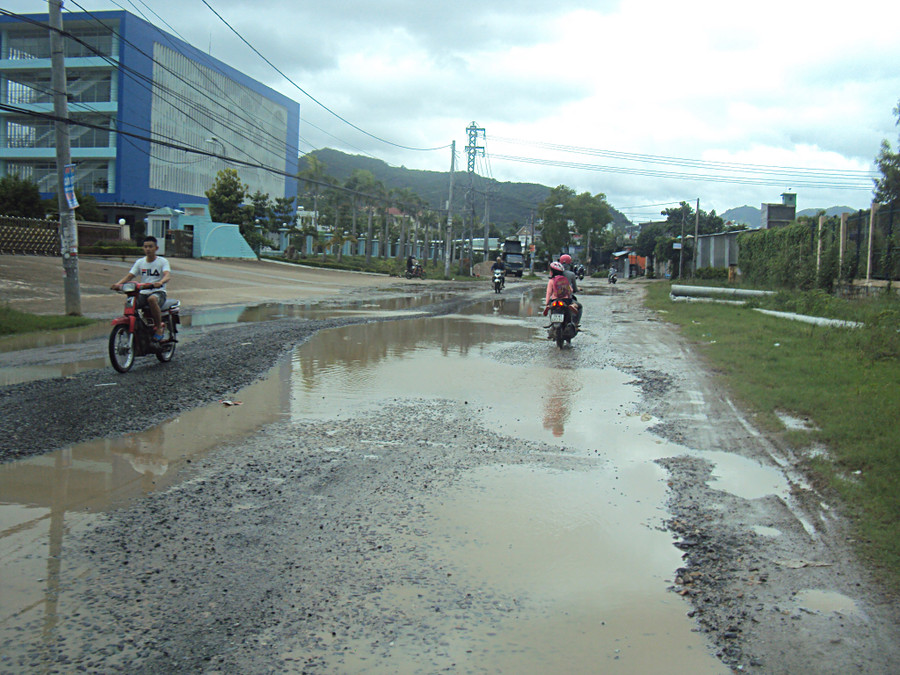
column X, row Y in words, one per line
column 552, row 534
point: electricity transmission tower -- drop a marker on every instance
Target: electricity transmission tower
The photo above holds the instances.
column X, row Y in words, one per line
column 473, row 150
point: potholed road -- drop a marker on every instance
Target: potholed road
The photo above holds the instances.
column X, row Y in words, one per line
column 441, row 493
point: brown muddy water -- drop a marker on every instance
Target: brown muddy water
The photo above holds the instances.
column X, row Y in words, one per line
column 71, row 340
column 586, row 545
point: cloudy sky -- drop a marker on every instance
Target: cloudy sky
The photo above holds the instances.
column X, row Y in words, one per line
column 619, row 97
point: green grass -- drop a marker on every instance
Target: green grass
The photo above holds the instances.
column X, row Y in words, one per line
column 846, row 381
column 14, row 322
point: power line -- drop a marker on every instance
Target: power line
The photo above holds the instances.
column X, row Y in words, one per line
column 697, row 163
column 149, row 84
column 742, row 180
column 310, row 96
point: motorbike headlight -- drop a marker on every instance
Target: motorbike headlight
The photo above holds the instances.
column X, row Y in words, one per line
column 129, row 287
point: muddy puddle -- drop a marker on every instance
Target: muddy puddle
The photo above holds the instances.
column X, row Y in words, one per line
column 582, row 549
column 70, row 340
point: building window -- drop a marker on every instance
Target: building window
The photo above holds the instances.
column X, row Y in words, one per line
column 90, row 175
column 31, row 132
column 22, row 45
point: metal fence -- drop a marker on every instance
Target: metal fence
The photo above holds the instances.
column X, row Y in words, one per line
column 869, row 248
column 32, row 236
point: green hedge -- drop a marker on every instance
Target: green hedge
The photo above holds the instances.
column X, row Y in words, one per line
column 785, row 257
column 713, row 273
column 112, row 248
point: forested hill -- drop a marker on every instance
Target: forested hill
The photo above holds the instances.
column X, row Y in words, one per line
column 510, row 202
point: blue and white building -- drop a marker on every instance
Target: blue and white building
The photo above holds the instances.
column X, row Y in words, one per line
column 128, row 81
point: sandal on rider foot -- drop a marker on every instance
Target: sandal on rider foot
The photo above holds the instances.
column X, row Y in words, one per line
column 159, row 336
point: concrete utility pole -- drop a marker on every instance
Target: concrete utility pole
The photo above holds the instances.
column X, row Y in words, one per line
column 449, row 244
column 487, row 220
column 681, row 246
column 533, row 247
column 68, row 228
column 696, row 237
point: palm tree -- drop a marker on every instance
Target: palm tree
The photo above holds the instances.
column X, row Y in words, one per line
column 339, row 238
column 368, row 189
column 314, row 175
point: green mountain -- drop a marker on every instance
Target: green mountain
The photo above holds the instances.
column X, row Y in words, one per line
column 511, row 204
column 744, row 215
column 752, row 216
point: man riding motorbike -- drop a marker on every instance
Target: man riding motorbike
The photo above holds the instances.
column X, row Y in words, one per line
column 566, row 261
column 498, row 265
column 151, row 269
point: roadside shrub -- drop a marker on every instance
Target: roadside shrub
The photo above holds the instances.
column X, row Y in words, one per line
column 712, row 273
column 123, row 248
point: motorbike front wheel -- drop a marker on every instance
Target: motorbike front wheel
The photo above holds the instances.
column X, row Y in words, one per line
column 121, row 349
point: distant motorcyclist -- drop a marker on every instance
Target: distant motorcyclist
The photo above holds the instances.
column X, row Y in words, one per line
column 499, row 265
column 566, row 260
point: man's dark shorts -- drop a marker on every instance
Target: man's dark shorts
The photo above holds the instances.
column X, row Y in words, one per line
column 142, row 299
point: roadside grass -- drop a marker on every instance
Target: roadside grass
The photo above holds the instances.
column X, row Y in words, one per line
column 846, row 382
column 14, row 322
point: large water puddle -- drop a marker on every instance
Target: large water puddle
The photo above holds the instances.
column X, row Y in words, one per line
column 70, row 340
column 582, row 548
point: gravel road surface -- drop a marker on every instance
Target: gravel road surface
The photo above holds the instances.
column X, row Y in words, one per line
column 276, row 554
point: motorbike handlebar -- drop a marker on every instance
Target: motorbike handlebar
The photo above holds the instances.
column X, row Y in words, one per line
column 132, row 287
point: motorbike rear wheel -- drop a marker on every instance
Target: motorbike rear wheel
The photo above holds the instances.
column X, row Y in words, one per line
column 560, row 340
column 121, row 349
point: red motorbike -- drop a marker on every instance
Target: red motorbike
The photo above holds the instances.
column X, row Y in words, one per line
column 132, row 333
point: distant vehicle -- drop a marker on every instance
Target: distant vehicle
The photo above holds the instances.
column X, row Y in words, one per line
column 512, row 257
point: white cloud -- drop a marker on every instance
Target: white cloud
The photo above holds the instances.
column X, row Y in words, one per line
column 794, row 82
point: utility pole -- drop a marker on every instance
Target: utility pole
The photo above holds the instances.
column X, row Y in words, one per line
column 487, row 220
column 696, row 238
column 68, row 228
column 533, row 247
column 472, row 150
column 449, row 244
column 681, row 245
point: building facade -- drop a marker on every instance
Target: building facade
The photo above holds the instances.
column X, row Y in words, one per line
column 129, row 82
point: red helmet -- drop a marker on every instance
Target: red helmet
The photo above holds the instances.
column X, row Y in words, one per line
column 565, row 259
column 557, row 267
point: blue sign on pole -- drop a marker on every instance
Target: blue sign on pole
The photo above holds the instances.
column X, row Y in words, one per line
column 69, row 186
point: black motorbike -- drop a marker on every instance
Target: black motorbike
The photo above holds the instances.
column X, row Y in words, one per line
column 580, row 272
column 612, row 277
column 415, row 272
column 562, row 326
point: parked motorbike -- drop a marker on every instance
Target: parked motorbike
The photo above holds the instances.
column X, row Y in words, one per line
column 612, row 277
column 415, row 272
column 132, row 333
column 499, row 280
column 562, row 326
column 580, row 272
